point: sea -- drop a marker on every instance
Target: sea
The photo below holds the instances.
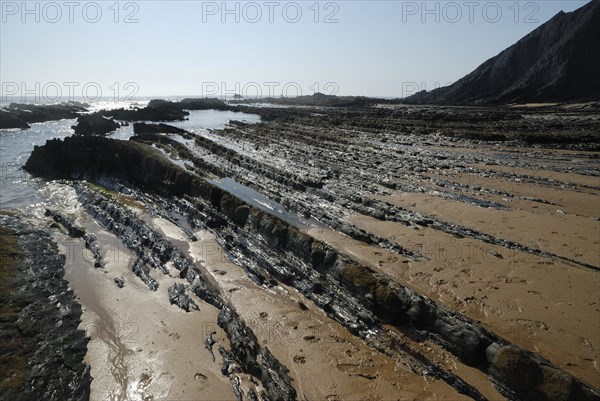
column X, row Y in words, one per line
column 19, row 190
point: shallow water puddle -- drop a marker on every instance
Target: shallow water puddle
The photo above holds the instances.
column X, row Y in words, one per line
column 258, row 200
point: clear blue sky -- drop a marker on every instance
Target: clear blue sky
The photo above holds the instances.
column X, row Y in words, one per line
column 185, row 48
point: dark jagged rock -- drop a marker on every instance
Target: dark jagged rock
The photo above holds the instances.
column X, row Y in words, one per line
column 199, row 287
column 94, row 157
column 41, row 349
column 10, row 119
column 178, row 297
column 94, row 124
column 557, row 62
column 72, row 229
column 119, row 282
column 230, row 368
column 143, row 272
column 202, row 104
column 157, row 110
column 94, row 248
column 257, row 360
column 208, row 344
column 18, row 115
column 533, row 378
column 143, row 128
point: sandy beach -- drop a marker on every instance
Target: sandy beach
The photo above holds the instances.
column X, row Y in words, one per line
column 140, row 347
column 306, row 340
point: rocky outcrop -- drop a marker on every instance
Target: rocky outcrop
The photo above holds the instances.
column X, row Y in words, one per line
column 143, row 272
column 393, row 304
column 165, row 110
column 533, row 378
column 9, row 119
column 247, row 353
column 33, row 113
column 202, row 104
column 557, row 62
column 157, row 110
column 94, row 124
column 177, row 296
column 18, row 115
column 78, row 232
column 72, row 229
column 143, row 128
column 91, row 244
column 41, row 350
column 94, row 157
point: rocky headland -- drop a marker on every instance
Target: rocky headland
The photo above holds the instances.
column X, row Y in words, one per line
column 557, row 62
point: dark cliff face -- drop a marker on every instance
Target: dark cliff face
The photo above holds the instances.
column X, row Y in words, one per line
column 557, row 62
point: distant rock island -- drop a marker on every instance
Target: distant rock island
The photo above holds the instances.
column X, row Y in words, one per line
column 557, row 62
column 317, row 99
column 103, row 122
column 18, row 115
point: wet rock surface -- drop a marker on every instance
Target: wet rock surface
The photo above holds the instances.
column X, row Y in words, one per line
column 42, row 349
column 75, row 231
column 252, row 358
column 143, row 272
column 177, row 296
column 94, row 124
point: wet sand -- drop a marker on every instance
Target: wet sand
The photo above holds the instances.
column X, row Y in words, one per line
column 576, row 179
column 569, row 236
column 307, row 341
column 540, row 303
column 141, row 347
column 580, row 202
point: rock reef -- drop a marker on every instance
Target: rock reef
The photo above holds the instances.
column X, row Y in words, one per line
column 268, row 247
column 94, row 124
column 41, row 347
column 18, row 115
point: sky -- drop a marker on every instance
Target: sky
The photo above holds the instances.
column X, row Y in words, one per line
column 66, row 49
